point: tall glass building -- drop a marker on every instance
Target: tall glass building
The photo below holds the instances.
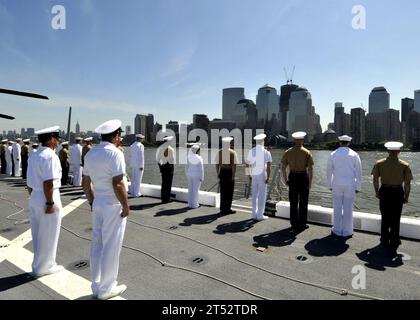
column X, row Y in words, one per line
column 379, row 100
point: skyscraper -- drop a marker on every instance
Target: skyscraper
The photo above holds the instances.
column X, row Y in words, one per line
column 299, row 116
column 285, row 92
column 392, row 125
column 150, row 121
column 231, row 110
column 339, row 118
column 127, row 130
column 143, row 124
column 30, row 132
column 140, row 124
column 417, row 100
column 407, row 105
column 379, row 100
column 374, row 127
column 413, row 127
column 358, row 125
column 174, row 126
column 201, row 121
column 77, row 128
column 267, row 104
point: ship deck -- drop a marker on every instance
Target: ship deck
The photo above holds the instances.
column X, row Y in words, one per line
column 173, row 253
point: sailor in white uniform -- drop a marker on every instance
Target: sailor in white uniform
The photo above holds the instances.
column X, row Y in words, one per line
column 16, row 156
column 259, row 161
column 34, row 148
column 43, row 181
column 105, row 186
column 137, row 165
column 76, row 162
column 344, row 178
column 195, row 174
column 9, row 159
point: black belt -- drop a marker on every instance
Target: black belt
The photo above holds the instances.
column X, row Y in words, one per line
column 391, row 186
column 299, row 172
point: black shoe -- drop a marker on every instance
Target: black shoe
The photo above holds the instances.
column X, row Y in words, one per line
column 231, row 211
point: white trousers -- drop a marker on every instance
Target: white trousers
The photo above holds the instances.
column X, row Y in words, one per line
column 108, row 229
column 343, row 200
column 45, row 229
column 194, row 185
column 9, row 167
column 136, row 178
column 17, row 167
column 77, row 175
column 259, row 194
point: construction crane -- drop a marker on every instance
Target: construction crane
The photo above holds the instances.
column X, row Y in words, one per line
column 289, row 79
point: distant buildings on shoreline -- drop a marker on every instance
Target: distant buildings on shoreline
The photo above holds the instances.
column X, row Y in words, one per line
column 281, row 115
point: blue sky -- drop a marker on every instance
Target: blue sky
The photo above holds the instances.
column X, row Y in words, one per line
column 172, row 58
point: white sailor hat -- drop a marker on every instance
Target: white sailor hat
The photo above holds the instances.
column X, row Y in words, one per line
column 195, row 147
column 36, row 144
column 48, row 130
column 10, row 142
column 4, row 140
column 299, row 135
column 64, row 143
column 170, row 138
column 393, row 145
column 260, row 137
column 26, row 140
column 88, row 139
column 18, row 139
column 140, row 136
column 109, row 127
column 78, row 138
column 227, row 139
column 345, row 138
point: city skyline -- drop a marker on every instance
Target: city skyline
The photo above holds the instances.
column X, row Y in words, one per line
column 106, row 67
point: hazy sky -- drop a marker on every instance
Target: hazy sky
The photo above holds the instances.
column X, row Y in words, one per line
column 172, row 58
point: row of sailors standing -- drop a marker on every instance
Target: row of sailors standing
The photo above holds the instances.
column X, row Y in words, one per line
column 344, row 179
column 391, row 180
column 105, row 186
column 14, row 157
column 73, row 160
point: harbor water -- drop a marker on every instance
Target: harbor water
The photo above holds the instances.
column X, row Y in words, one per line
column 319, row 195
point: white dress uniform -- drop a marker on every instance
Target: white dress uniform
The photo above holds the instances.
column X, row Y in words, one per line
column 136, row 163
column 16, row 158
column 102, row 163
column 45, row 228
column 195, row 174
column 344, row 177
column 76, row 164
column 33, row 150
column 257, row 159
column 9, row 151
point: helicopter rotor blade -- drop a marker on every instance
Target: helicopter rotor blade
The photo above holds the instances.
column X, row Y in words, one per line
column 4, row 116
column 23, row 94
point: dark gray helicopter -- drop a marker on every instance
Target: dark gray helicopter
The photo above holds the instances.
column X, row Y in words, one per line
column 20, row 93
